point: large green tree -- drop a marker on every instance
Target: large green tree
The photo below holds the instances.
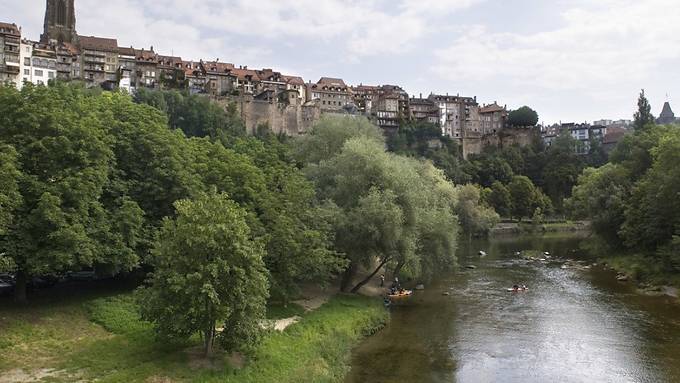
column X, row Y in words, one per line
column 643, row 116
column 524, row 116
column 601, row 195
column 380, row 198
column 65, row 163
column 475, row 217
column 207, row 271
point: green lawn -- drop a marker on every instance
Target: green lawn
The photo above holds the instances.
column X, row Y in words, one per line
column 104, row 339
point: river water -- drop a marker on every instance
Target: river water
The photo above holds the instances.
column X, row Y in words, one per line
column 573, row 325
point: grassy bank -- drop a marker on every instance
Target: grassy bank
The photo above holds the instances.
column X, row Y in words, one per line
column 644, row 269
column 527, row 227
column 103, row 338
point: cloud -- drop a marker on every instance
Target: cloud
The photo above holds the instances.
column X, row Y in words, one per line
column 595, row 47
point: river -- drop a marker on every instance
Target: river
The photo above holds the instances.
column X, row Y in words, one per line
column 573, row 325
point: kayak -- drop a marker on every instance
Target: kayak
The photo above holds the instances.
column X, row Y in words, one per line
column 405, row 293
column 518, row 290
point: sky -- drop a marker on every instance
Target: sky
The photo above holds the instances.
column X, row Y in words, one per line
column 571, row 60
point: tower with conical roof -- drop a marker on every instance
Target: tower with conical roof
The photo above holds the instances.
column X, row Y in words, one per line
column 60, row 22
column 667, row 116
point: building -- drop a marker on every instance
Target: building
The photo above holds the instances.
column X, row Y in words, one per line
column 60, row 23
column 295, row 83
column 667, row 116
column 10, row 55
column 332, row 94
column 493, row 118
column 424, row 110
column 171, row 72
column 146, row 68
column 612, row 137
column 39, row 64
column 458, row 116
column 99, row 61
column 219, row 79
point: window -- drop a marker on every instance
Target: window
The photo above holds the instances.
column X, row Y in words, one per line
column 50, row 75
column 38, row 73
column 27, row 72
column 27, row 61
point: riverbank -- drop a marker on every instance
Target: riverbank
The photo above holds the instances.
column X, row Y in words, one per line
column 650, row 278
column 104, row 339
column 519, row 228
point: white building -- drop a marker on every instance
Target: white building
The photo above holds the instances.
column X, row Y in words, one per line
column 38, row 63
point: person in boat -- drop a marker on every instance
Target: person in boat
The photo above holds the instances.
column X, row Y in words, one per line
column 515, row 287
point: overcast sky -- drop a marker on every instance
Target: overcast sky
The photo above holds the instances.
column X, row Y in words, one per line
column 571, row 60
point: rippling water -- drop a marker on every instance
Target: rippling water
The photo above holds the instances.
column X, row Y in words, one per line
column 571, row 326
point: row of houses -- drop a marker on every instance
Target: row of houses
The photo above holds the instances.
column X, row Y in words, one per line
column 605, row 132
column 63, row 54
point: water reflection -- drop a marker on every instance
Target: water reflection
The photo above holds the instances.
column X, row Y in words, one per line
column 572, row 326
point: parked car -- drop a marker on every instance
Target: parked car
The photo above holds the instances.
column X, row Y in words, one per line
column 6, row 285
column 81, row 276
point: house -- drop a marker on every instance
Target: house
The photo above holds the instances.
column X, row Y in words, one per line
column 99, row 60
column 458, row 116
column 423, row 109
column 493, row 118
column 332, row 93
column 10, row 64
column 219, row 78
column 613, row 136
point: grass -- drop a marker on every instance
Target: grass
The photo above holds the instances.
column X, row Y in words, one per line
column 644, row 269
column 280, row 311
column 104, row 339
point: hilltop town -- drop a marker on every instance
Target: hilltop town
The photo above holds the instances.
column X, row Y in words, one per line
column 286, row 104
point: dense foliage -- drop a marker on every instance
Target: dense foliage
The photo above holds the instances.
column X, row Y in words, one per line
column 393, row 209
column 523, row 117
column 633, row 201
column 89, row 177
column 207, row 271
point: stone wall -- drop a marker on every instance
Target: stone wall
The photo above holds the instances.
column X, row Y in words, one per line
column 291, row 118
column 474, row 144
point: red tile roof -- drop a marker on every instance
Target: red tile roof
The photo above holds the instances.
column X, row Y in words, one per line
column 98, row 43
column 293, row 80
column 491, row 108
column 10, row 29
column 330, row 81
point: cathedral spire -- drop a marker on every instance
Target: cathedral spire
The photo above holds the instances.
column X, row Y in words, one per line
column 60, row 22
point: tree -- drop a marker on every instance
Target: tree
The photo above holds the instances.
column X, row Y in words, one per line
column 500, row 199
column 475, row 218
column 562, row 167
column 10, row 197
column 380, row 199
column 643, row 117
column 328, row 136
column 65, row 161
column 523, row 117
column 207, row 270
column 195, row 115
column 523, row 194
column 601, row 195
column 653, row 212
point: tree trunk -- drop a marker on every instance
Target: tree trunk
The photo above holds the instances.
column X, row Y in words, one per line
column 20, row 287
column 367, row 279
column 397, row 269
column 208, row 341
column 347, row 277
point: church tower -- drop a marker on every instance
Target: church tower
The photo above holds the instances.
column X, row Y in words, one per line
column 60, row 22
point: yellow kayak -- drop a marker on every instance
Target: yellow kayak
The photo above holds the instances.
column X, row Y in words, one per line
column 403, row 294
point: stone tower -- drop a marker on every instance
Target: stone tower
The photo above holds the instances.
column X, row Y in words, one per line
column 667, row 116
column 60, row 22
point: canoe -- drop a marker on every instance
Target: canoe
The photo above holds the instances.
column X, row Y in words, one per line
column 518, row 290
column 406, row 293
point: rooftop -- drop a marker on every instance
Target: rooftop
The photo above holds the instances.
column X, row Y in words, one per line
column 98, row 43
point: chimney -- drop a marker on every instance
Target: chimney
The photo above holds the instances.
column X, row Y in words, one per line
column 421, row 95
